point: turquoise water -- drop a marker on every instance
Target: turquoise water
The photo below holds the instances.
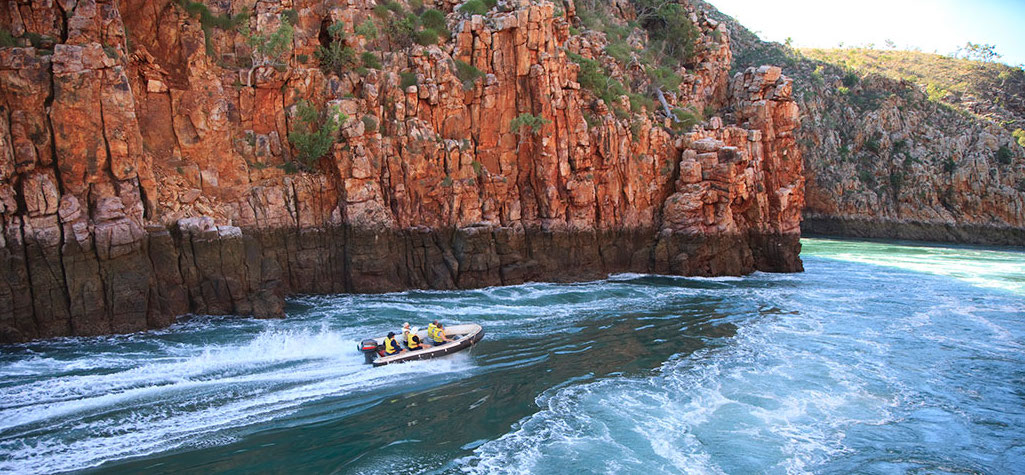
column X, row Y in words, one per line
column 881, row 358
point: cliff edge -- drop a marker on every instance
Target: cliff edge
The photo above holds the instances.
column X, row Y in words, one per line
column 164, row 157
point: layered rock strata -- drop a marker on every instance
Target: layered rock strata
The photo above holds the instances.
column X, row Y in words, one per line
column 146, row 171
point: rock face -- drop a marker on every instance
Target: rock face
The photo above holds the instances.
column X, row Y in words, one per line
column 146, row 170
column 883, row 159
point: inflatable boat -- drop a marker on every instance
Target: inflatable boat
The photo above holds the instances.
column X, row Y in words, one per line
column 463, row 337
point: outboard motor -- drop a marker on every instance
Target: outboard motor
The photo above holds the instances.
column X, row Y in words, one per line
column 369, row 348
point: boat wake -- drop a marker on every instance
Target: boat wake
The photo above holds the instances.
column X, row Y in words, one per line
column 185, row 396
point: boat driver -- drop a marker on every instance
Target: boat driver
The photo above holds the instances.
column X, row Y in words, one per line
column 391, row 347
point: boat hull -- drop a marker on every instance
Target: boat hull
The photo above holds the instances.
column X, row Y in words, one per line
column 468, row 335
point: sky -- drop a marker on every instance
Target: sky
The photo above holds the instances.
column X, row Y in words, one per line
column 932, row 25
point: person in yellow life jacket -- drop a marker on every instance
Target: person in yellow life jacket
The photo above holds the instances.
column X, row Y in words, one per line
column 391, row 347
column 439, row 337
column 433, row 327
column 413, row 342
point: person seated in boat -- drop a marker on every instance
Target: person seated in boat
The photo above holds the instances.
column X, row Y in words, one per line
column 431, row 328
column 413, row 342
column 391, row 346
column 439, row 337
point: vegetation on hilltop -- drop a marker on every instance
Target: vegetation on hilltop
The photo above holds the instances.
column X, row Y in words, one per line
column 989, row 89
column 973, row 85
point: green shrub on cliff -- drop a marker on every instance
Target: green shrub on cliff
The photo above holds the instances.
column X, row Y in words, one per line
column 639, row 102
column 476, row 7
column 370, row 123
column 528, row 121
column 619, row 50
column 850, row 79
column 433, row 23
column 406, row 79
column 686, row 118
column 335, row 57
column 367, row 29
column 666, row 78
column 868, row 179
column 671, row 34
column 268, row 49
column 667, row 52
column 6, row 39
column 467, row 73
column 426, row 37
column 272, row 46
column 1019, row 135
column 897, row 178
column 595, row 78
column 872, row 145
column 402, row 29
column 313, row 132
column 949, row 165
column 1004, row 155
column 433, row 19
column 208, row 20
column 370, row 61
column 935, row 93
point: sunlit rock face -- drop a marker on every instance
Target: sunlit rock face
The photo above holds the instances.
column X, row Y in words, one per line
column 910, row 168
column 146, row 169
column 902, row 158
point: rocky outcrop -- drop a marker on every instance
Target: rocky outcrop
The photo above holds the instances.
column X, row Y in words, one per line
column 146, row 170
column 883, row 159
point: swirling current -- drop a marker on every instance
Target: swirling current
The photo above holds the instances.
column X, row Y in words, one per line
column 882, row 357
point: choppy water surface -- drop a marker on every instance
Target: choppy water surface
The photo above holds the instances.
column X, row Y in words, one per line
column 880, row 358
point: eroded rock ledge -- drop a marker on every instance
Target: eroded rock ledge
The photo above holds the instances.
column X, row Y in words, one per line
column 139, row 185
column 202, row 268
column 876, row 228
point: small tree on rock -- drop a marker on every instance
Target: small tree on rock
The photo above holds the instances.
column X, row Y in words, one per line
column 313, row 134
column 979, row 52
column 268, row 49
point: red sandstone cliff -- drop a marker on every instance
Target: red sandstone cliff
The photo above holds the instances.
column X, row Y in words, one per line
column 145, row 165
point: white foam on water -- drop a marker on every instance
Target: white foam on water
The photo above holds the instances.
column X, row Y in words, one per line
column 266, row 348
column 74, row 422
column 627, row 276
column 761, row 396
column 780, row 396
column 995, row 269
column 787, row 390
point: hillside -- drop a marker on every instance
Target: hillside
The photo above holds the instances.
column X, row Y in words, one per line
column 903, row 144
column 990, row 90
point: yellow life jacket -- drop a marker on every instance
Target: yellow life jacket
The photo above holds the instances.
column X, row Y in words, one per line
column 439, row 335
column 391, row 346
column 411, row 343
column 431, row 329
